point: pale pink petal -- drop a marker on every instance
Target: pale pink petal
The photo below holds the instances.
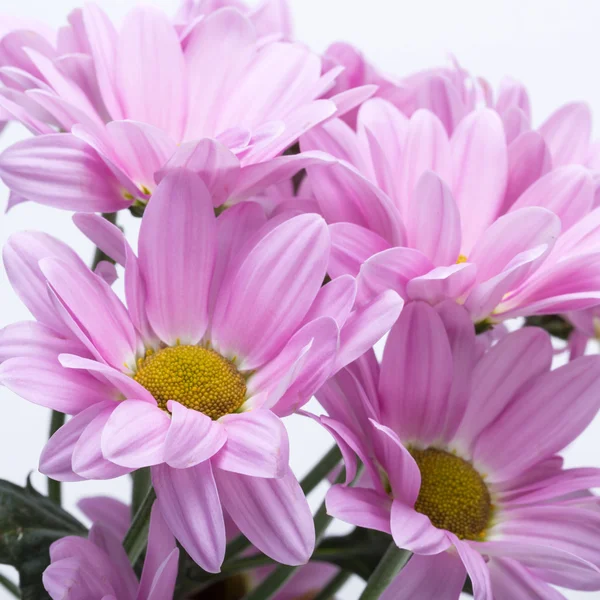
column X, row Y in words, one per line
column 416, row 580
column 165, row 577
column 88, row 460
column 351, row 246
column 177, row 255
column 400, row 467
column 61, row 171
column 272, row 513
column 192, row 437
column 335, row 299
column 107, row 271
column 503, row 371
column 528, row 160
column 567, row 133
column 43, row 381
column 109, row 511
column 147, row 38
column 257, row 445
column 416, row 374
column 433, row 222
column 135, row 435
column 440, row 95
column 567, row 191
column 216, row 165
column 280, row 277
column 516, row 123
column 360, row 506
column 442, row 283
column 480, row 162
column 476, row 568
column 413, row 531
column 512, row 93
column 426, row 149
column 512, row 581
column 545, row 418
column 189, row 502
column 106, row 236
column 99, row 315
column 14, row 106
column 57, row 455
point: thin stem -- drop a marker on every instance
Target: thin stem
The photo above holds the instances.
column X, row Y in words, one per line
column 393, row 561
column 141, row 484
column 99, row 256
column 137, row 537
column 308, row 484
column 333, row 586
column 11, row 587
column 54, row 490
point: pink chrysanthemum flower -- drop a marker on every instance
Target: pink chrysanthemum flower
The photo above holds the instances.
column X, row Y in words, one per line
column 227, row 323
column 97, row 568
column 133, row 100
column 460, row 445
column 437, row 217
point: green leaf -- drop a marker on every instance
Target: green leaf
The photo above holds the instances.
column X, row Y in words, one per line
column 29, row 523
column 358, row 552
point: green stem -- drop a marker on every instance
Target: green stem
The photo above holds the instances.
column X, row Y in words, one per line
column 137, row 537
column 11, row 587
column 308, row 484
column 141, row 484
column 54, row 491
column 333, row 586
column 268, row 588
column 393, row 561
column 99, row 256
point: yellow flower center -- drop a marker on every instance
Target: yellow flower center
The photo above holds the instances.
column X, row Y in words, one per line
column 461, row 259
column 453, row 495
column 194, row 376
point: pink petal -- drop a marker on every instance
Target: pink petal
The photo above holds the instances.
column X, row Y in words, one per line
column 416, row 581
column 413, row 400
column 442, row 283
column 433, row 223
column 147, row 38
column 480, row 162
column 440, row 95
column 516, row 123
column 177, row 255
column 257, row 445
column 502, row 373
column 101, row 320
column 61, row 171
column 335, row 300
column 567, row 133
column 138, row 446
column 216, row 165
column 163, row 584
column 192, row 437
column 547, row 416
column 528, row 160
column 106, row 236
column 57, row 455
column 280, row 276
column 43, row 381
column 426, row 149
column 400, row 467
column 513, row 93
column 476, row 568
column 189, row 502
column 109, row 511
column 88, row 460
column 413, row 531
column 272, row 513
column 351, row 246
column 360, row 506
column 567, row 191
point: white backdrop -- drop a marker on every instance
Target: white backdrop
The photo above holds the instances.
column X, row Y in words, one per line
column 551, row 45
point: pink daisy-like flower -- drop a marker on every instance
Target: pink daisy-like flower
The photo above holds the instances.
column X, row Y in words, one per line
column 437, row 217
column 460, row 445
column 227, row 323
column 97, row 568
column 136, row 100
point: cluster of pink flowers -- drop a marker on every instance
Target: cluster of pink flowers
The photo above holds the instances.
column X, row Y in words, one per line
column 296, row 209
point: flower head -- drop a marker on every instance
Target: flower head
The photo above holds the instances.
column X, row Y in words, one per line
column 97, row 568
column 227, row 325
column 460, row 444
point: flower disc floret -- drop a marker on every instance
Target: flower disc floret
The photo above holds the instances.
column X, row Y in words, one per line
column 453, row 494
column 196, row 377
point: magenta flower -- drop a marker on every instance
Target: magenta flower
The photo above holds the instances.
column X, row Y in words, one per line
column 437, row 217
column 143, row 98
column 97, row 568
column 227, row 324
column 460, row 445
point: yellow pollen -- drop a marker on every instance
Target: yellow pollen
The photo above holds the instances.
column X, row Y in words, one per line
column 453, row 495
column 196, row 377
column 461, row 259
